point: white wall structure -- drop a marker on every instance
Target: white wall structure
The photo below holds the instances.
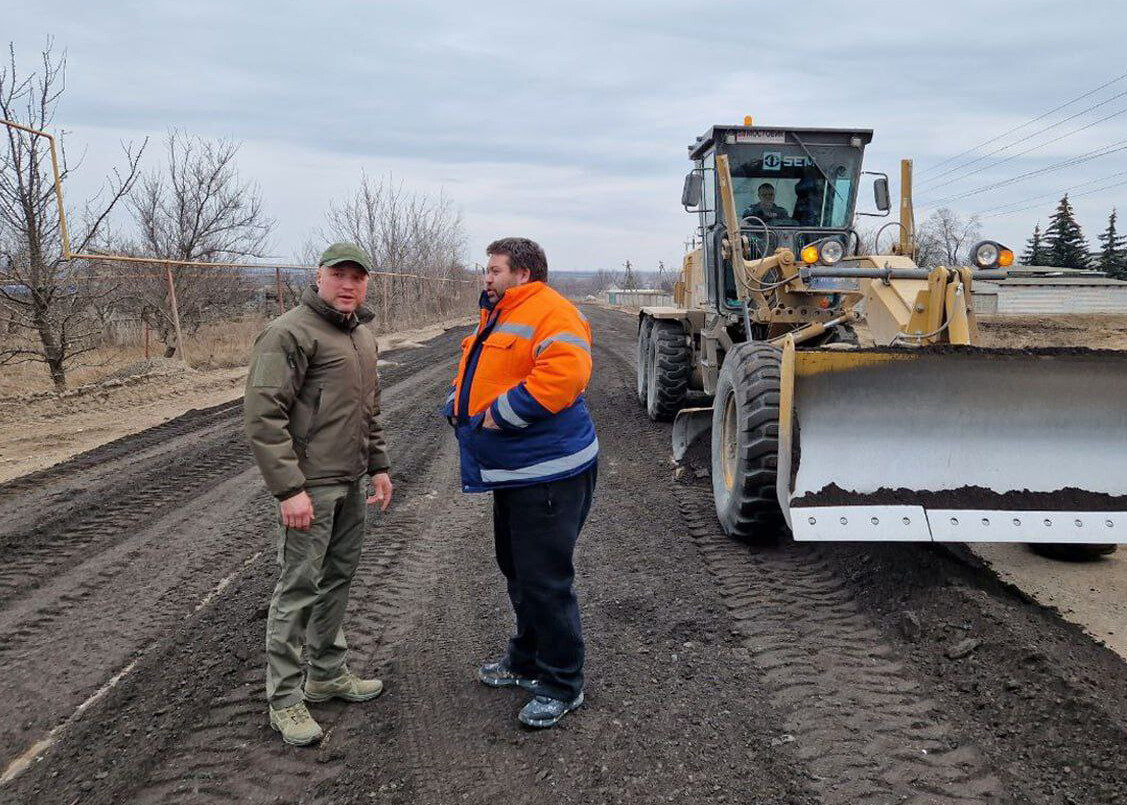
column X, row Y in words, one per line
column 637, row 297
column 1049, row 291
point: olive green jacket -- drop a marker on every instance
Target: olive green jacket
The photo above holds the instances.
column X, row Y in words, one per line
column 312, row 400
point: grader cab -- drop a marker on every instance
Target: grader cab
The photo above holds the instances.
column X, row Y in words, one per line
column 920, row 436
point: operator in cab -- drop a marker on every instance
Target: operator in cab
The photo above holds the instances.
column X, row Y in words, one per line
column 766, row 208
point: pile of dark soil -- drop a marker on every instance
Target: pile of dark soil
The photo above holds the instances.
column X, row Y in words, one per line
column 969, row 497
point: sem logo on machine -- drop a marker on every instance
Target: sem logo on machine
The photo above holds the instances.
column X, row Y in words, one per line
column 773, row 161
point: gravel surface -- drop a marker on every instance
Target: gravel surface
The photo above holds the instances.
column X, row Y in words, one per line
column 717, row 672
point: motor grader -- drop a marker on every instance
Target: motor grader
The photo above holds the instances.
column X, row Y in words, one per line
column 919, row 435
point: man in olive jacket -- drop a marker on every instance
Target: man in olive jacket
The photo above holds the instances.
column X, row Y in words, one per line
column 312, row 416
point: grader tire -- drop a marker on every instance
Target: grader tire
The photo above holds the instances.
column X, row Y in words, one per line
column 669, row 371
column 645, row 330
column 745, row 444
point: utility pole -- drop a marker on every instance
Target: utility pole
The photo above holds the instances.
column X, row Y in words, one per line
column 628, row 281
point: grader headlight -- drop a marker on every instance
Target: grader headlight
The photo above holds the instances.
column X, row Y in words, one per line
column 826, row 252
column 832, row 251
column 991, row 254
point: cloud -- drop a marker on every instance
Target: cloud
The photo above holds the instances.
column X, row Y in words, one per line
column 572, row 119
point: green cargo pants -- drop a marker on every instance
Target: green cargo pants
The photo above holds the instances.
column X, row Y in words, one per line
column 312, row 592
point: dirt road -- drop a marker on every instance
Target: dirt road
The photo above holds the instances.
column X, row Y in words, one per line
column 40, row 429
column 717, row 673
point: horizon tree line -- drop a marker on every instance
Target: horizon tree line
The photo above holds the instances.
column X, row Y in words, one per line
column 1062, row 244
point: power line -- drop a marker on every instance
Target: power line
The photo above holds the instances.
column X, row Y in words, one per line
column 1029, row 122
column 1053, row 195
column 1012, row 157
column 1026, row 138
column 1068, row 163
column 1073, row 195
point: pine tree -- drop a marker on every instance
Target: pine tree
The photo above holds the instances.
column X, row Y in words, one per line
column 1113, row 249
column 1035, row 252
column 1064, row 241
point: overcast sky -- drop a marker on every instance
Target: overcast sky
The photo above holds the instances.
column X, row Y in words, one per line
column 568, row 123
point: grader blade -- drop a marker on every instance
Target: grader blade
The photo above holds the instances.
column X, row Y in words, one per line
column 691, row 430
column 955, row 445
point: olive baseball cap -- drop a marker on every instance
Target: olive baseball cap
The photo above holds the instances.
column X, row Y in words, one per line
column 346, row 253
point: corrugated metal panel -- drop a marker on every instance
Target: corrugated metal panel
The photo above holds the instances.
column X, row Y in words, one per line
column 1033, row 300
column 985, row 302
column 1060, row 281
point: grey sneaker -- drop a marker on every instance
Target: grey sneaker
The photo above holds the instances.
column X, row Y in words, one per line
column 347, row 686
column 296, row 725
column 543, row 711
column 497, row 675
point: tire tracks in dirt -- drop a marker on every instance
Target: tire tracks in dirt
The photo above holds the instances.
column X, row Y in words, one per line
column 211, row 761
column 239, row 516
column 1044, row 702
column 56, row 544
column 133, row 445
column 859, row 722
column 1037, row 713
column 80, row 626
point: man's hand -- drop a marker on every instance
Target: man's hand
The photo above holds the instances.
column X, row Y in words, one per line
column 382, row 489
column 297, row 511
column 488, row 423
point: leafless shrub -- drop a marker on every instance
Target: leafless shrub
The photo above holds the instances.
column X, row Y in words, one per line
column 196, row 209
column 405, row 233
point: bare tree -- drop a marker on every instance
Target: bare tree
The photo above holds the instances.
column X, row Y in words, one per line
column 408, row 233
column 196, row 209
column 945, row 238
column 46, row 297
column 604, row 279
column 401, row 230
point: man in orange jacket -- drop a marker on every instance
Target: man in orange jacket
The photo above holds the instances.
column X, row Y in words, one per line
column 518, row 406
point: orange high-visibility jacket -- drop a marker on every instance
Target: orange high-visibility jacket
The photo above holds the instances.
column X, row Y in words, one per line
column 529, row 363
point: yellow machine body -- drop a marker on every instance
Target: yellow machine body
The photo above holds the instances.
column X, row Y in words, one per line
column 922, row 434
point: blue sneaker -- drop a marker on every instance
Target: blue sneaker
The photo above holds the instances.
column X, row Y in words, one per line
column 544, row 711
column 498, row 675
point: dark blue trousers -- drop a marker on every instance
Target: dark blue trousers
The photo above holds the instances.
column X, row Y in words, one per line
column 535, row 529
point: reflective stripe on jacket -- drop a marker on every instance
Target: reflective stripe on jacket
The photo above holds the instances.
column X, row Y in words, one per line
column 529, row 363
